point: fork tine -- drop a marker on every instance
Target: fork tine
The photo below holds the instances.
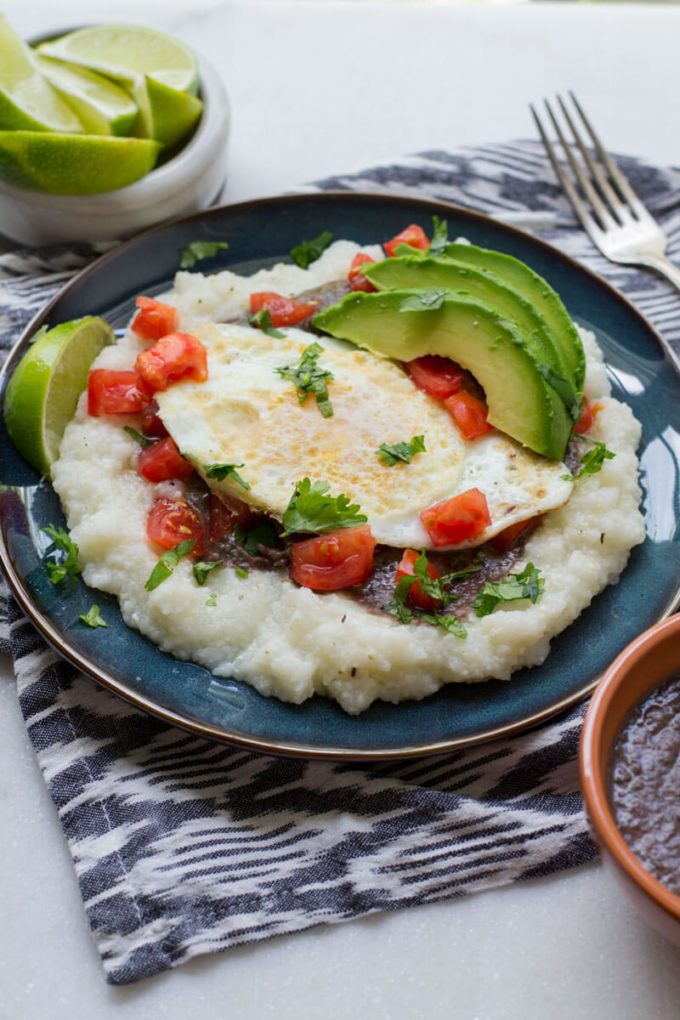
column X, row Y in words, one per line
column 619, row 179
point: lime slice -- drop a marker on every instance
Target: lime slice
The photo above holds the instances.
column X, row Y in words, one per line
column 27, row 101
column 125, row 52
column 43, row 391
column 165, row 114
column 63, row 164
column 103, row 107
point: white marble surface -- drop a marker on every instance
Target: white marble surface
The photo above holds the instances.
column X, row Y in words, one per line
column 318, row 87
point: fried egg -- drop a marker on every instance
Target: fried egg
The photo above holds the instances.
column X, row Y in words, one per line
column 248, row 415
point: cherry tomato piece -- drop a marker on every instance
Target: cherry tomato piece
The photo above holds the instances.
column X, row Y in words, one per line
column 457, row 519
column 587, row 419
column 171, row 521
column 508, row 538
column 225, row 514
column 413, row 235
column 152, row 424
column 337, row 560
column 162, row 461
column 469, row 414
column 416, row 596
column 283, row 311
column 440, row 377
column 113, row 392
column 154, row 319
column 357, row 280
column 175, row 356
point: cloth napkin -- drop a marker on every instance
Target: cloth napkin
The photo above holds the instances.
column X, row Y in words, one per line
column 182, row 846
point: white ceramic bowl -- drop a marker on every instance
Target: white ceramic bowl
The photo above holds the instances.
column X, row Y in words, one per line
column 190, row 181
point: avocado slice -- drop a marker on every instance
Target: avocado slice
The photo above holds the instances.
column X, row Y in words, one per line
column 422, row 273
column 520, row 401
column 535, row 289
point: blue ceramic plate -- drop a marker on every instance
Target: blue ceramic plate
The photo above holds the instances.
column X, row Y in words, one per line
column 260, row 234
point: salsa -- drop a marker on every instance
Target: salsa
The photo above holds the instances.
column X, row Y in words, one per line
column 645, row 782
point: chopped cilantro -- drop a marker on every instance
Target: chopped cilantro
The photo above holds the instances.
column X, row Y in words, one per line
column 397, row 606
column 137, row 436
column 68, row 565
column 202, row 569
column 592, row 461
column 199, row 250
column 308, row 378
column 211, row 600
column 240, row 572
column 390, row 455
column 311, row 509
column 93, row 617
column 163, row 569
column 429, row 586
column 261, row 534
column 425, row 300
column 526, row 585
column 450, row 623
column 309, row 251
column 263, row 319
column 219, row 471
column 440, row 236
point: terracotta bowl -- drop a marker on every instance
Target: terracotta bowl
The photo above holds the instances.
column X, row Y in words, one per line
column 641, row 666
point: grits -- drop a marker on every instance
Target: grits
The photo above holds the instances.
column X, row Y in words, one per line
column 288, row 641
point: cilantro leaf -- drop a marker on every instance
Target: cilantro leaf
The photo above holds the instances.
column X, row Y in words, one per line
column 261, row 534
column 431, row 586
column 240, row 572
column 440, row 236
column 405, row 614
column 137, row 436
column 448, row 622
column 526, row 585
column 311, row 509
column 309, row 251
column 67, row 566
column 390, row 455
column 211, row 599
column 163, row 569
column 219, row 471
column 592, row 461
column 202, row 569
column 199, row 250
column 308, row 378
column 93, row 618
column 397, row 607
column 425, row 300
column 263, row 319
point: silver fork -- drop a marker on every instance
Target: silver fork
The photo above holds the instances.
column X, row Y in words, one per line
column 609, row 210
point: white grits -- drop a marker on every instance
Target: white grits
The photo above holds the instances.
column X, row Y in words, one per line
column 291, row 642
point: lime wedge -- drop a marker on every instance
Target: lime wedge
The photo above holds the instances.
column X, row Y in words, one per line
column 62, row 164
column 165, row 114
column 43, row 391
column 125, row 52
column 103, row 107
column 27, row 101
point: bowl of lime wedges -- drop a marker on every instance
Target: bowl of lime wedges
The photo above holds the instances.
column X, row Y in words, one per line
column 105, row 130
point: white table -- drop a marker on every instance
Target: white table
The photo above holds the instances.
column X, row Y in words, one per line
column 314, row 89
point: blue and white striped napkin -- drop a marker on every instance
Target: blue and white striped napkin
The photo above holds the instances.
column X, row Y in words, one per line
column 184, row 847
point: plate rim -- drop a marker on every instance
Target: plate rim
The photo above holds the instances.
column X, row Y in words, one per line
column 272, row 746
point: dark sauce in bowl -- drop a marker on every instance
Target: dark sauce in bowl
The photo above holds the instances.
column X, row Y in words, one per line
column 645, row 782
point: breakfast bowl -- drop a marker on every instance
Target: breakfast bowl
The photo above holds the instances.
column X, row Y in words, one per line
column 190, row 180
column 628, row 744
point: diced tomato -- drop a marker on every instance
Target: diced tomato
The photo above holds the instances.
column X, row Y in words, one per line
column 508, row 538
column 152, row 424
column 154, row 319
column 357, row 280
column 416, row 595
column 171, row 521
column 283, row 311
column 440, row 377
column 587, row 419
column 457, row 519
column 113, row 392
column 413, row 235
column 337, row 560
column 162, row 461
column 225, row 514
column 469, row 414
column 175, row 356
